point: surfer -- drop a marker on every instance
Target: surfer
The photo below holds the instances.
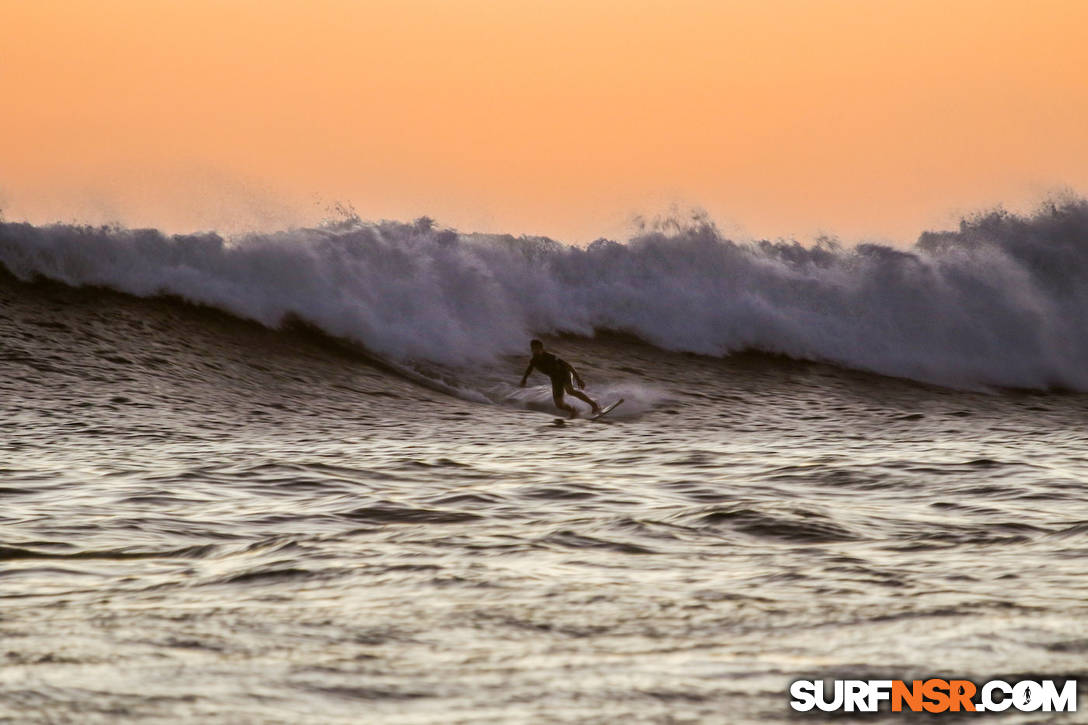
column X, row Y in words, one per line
column 563, row 376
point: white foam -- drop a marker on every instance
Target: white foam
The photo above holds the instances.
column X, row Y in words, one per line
column 1001, row 302
column 638, row 398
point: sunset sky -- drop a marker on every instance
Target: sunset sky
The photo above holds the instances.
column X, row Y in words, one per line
column 862, row 118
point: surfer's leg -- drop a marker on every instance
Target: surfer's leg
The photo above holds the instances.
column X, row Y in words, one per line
column 571, row 410
column 583, row 397
column 557, row 397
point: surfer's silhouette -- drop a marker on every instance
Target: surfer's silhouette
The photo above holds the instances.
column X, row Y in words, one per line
column 563, row 376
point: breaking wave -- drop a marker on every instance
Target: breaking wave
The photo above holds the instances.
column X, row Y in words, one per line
column 1000, row 302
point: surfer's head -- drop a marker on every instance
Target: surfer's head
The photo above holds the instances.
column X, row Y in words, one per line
column 536, row 346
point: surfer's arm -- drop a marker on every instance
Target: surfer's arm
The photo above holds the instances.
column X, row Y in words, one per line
column 577, row 378
column 526, row 375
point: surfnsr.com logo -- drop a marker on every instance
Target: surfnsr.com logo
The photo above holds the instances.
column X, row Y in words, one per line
column 933, row 695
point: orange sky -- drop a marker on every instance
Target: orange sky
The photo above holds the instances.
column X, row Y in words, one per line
column 557, row 117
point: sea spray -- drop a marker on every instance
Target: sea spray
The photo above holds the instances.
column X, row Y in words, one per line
column 999, row 302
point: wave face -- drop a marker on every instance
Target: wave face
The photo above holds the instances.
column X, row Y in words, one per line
column 999, row 302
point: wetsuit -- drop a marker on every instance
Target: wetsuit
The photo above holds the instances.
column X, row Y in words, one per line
column 557, row 369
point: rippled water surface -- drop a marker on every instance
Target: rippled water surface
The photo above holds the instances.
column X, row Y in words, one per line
column 206, row 520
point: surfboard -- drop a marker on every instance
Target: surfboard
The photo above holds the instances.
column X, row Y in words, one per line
column 606, row 410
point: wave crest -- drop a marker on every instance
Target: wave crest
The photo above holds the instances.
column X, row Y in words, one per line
column 999, row 302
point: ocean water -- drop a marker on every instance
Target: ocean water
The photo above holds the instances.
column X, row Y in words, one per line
column 291, row 478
